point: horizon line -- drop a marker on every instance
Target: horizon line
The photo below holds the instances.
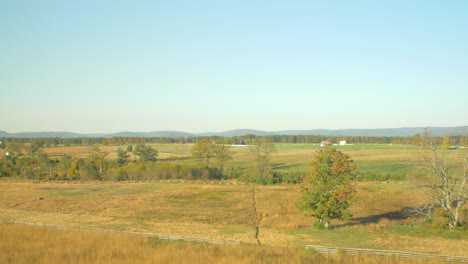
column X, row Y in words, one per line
column 229, row 130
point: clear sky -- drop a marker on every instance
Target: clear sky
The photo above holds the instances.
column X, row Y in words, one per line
column 198, row 66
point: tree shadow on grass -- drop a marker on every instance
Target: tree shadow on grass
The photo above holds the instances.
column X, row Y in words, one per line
column 374, row 219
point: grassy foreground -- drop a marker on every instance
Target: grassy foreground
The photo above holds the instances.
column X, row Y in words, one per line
column 230, row 212
column 20, row 244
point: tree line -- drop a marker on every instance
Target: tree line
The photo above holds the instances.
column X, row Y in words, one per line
column 133, row 162
column 136, row 162
column 461, row 140
column 140, row 162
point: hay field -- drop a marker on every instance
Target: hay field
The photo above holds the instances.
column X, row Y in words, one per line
column 227, row 212
column 166, row 151
column 19, row 244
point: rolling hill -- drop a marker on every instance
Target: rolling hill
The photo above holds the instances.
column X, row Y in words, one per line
column 388, row 132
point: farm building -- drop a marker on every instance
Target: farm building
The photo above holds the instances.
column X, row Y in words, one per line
column 325, row 143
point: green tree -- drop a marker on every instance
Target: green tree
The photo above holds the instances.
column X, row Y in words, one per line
column 45, row 165
column 6, row 167
column 203, row 150
column 89, row 171
column 63, row 166
column 328, row 191
column 445, row 143
column 130, row 148
column 33, row 149
column 262, row 150
column 221, row 153
column 72, row 172
column 133, row 171
column 98, row 156
column 122, row 157
column 13, row 150
column 146, row 153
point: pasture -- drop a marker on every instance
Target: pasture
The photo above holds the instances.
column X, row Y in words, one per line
column 229, row 212
column 235, row 211
column 20, row 244
column 383, row 161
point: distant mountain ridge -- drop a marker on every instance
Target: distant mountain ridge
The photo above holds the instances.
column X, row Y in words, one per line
column 379, row 132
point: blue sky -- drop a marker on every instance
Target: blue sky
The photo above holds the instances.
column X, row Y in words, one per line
column 197, row 66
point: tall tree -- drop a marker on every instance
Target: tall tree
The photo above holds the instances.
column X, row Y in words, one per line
column 13, row 150
column 63, row 166
column 446, row 190
column 445, row 143
column 98, row 156
column 122, row 157
column 129, row 148
column 45, row 164
column 221, row 153
column 328, row 190
column 262, row 150
column 33, row 149
column 89, row 171
column 146, row 153
column 203, row 150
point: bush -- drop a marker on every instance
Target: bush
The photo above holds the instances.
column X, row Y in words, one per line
column 234, row 173
column 318, row 225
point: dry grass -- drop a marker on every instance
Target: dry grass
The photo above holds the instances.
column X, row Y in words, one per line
column 166, row 151
column 20, row 244
column 222, row 212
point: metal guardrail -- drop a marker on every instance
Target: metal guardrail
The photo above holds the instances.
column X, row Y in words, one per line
column 378, row 252
column 145, row 234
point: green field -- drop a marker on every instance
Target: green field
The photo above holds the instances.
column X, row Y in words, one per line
column 379, row 158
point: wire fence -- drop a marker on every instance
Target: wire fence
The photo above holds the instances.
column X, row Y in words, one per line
column 143, row 234
column 318, row 249
column 377, row 252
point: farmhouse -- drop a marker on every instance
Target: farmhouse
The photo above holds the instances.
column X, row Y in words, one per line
column 325, row 143
column 342, row 142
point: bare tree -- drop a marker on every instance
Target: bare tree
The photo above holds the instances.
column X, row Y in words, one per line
column 447, row 190
column 261, row 151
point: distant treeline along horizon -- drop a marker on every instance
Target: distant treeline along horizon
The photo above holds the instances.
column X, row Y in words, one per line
column 377, row 132
column 235, row 140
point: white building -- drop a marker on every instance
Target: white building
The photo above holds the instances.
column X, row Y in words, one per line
column 342, row 142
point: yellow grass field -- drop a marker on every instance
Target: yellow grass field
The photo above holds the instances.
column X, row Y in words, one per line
column 222, row 210
column 20, row 244
column 226, row 212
